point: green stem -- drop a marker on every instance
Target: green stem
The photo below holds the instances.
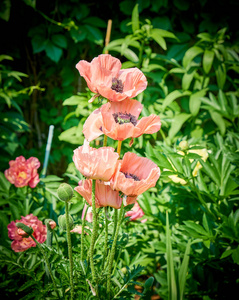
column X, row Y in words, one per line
column 112, row 253
column 141, row 55
column 94, row 232
column 105, row 141
column 82, row 234
column 48, row 265
column 106, row 238
column 48, row 242
column 119, row 147
column 69, row 249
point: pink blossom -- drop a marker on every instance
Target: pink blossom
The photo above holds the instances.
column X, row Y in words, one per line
column 23, row 172
column 105, row 77
column 136, row 213
column 21, row 243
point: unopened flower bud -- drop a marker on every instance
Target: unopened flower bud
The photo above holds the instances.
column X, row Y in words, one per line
column 65, row 192
column 183, row 145
column 25, row 228
column 22, row 233
column 62, row 222
column 148, row 283
column 50, row 224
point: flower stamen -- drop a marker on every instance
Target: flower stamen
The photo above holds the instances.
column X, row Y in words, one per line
column 130, row 175
column 123, row 118
column 117, row 85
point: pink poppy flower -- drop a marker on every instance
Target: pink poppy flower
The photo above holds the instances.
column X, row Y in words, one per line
column 23, row 172
column 21, row 242
column 136, row 213
column 134, row 175
column 95, row 163
column 104, row 195
column 119, row 121
column 104, row 77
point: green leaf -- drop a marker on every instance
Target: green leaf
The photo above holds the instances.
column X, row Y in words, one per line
column 74, row 100
column 155, row 34
column 195, row 101
column 172, row 286
column 182, row 274
column 173, row 96
column 208, row 57
column 135, row 18
column 38, row 43
column 5, row 12
column 190, row 54
column 59, row 40
column 177, row 123
column 187, row 79
column 221, row 74
column 218, row 119
column 53, row 52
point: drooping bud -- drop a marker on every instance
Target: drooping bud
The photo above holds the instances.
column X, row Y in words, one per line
column 22, row 233
column 183, row 145
column 65, row 192
column 50, row 223
column 62, row 222
column 25, row 228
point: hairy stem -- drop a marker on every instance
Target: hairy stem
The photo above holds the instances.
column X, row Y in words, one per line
column 82, row 234
column 69, row 249
column 94, row 233
column 112, row 253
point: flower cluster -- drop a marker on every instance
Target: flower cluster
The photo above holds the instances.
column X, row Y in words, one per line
column 21, row 241
column 119, row 120
column 23, row 172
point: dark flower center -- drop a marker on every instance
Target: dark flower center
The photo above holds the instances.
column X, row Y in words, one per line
column 123, row 118
column 129, row 175
column 117, row 85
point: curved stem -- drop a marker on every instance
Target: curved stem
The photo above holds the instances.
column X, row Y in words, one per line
column 112, row 253
column 69, row 249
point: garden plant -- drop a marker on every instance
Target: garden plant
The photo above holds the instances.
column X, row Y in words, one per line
column 120, row 163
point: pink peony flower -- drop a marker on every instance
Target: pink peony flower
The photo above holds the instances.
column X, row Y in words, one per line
column 104, row 77
column 104, row 195
column 134, row 175
column 20, row 242
column 119, row 121
column 95, row 163
column 136, row 213
column 23, row 172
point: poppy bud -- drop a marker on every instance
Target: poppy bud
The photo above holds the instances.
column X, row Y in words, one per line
column 62, row 222
column 25, row 228
column 65, row 192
